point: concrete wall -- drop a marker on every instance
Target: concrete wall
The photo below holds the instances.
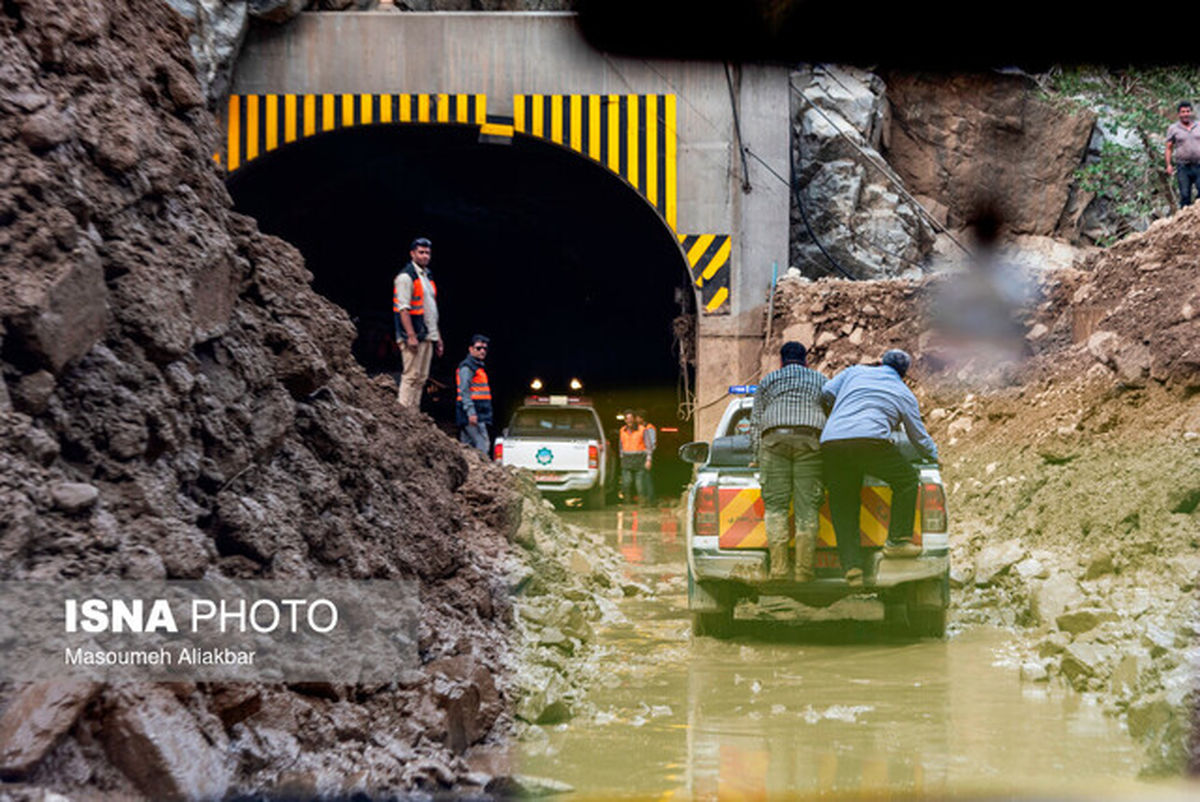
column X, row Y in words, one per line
column 543, row 53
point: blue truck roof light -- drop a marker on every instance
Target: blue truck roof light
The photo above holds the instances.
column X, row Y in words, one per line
column 742, row 389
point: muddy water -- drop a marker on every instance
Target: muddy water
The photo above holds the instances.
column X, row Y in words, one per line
column 804, row 708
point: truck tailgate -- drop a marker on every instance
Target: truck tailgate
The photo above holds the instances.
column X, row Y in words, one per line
column 547, row 456
column 740, row 518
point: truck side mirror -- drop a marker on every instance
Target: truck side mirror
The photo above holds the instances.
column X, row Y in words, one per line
column 695, row 452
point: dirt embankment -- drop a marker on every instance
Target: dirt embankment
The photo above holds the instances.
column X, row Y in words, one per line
column 178, row 403
column 1067, row 412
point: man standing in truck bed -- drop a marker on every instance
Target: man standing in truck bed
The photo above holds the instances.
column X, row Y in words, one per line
column 869, row 401
column 785, row 431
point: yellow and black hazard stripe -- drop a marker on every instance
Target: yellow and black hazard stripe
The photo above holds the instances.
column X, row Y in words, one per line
column 634, row 136
column 708, row 260
column 258, row 124
column 741, row 524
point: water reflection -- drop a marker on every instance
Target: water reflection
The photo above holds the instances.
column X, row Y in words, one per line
column 805, row 711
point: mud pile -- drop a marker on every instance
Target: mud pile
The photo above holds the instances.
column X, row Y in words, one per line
column 177, row 403
column 1070, row 440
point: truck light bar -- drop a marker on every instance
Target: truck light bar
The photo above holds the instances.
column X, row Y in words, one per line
column 743, row 389
column 570, row 400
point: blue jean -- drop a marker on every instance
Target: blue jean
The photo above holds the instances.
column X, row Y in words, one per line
column 634, row 476
column 1188, row 176
column 475, row 436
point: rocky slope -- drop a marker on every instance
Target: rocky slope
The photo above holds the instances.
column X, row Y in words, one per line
column 177, row 403
column 1070, row 440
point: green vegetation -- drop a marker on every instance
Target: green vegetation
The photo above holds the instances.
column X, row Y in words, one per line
column 1135, row 106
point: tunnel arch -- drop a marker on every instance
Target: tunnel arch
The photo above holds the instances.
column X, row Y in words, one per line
column 568, row 268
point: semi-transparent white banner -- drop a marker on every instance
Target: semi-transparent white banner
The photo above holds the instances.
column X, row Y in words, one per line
column 228, row 630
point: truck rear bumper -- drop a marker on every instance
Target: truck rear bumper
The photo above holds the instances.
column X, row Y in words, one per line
column 570, row 481
column 750, row 568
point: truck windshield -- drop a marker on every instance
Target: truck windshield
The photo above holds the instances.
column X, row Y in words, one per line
column 552, row 421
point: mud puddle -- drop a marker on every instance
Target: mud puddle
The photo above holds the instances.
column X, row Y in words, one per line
column 815, row 708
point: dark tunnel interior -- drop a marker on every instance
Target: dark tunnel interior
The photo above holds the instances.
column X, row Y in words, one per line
column 566, row 268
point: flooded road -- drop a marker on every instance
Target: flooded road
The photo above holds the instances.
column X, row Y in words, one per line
column 808, row 709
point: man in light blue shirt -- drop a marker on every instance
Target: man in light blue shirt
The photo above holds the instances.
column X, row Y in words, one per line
column 869, row 401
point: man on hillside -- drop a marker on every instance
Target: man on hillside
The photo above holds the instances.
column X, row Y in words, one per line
column 785, row 432
column 473, row 406
column 1183, row 144
column 414, row 304
column 868, row 402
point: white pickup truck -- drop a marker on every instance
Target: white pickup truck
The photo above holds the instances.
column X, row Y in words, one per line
column 560, row 441
column 727, row 543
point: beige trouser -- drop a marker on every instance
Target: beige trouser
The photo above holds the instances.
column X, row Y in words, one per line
column 416, row 372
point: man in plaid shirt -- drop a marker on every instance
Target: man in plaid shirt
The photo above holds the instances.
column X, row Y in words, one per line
column 785, row 435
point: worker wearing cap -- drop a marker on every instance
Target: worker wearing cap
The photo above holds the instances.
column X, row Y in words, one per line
column 414, row 305
column 869, row 401
column 785, row 431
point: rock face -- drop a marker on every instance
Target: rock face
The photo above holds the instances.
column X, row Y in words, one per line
column 967, row 140
column 848, row 193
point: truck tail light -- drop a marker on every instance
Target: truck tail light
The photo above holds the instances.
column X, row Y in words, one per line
column 499, row 451
column 705, row 521
column 933, row 508
column 593, row 456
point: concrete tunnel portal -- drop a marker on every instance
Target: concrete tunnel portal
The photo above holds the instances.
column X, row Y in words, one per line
column 567, row 268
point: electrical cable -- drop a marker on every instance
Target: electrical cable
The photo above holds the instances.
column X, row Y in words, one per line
column 737, row 130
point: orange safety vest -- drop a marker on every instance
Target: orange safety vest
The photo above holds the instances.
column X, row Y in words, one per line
column 633, row 440
column 416, row 306
column 479, row 390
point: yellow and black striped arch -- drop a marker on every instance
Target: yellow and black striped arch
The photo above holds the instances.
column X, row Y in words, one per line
column 632, row 135
column 257, row 124
column 708, row 259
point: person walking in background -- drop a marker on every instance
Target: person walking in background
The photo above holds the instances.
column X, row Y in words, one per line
column 473, row 405
column 414, row 306
column 1183, row 145
column 634, row 458
column 868, row 402
column 785, row 430
column 650, row 437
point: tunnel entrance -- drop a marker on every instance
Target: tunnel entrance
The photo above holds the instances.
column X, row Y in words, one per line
column 569, row 271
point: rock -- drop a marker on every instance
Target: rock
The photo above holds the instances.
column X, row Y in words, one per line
column 961, row 574
column 524, row 786
column 73, row 496
column 1054, row 596
column 155, row 742
column 275, row 10
column 1053, row 644
column 960, row 426
column 66, row 317
column 1083, row 660
column 45, row 129
column 36, row 717
column 947, row 133
column 1148, row 716
column 578, row 562
column 802, row 332
column 1032, row 671
column 1099, row 565
column 1031, row 568
column 1080, row 621
column 33, row 392
column 39, row 446
column 995, row 558
column 218, row 31
column 869, row 229
column 1037, row 332
column 1127, row 672
column 1157, row 640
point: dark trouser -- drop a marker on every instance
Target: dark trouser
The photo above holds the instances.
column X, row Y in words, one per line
column 634, row 476
column 475, row 436
column 845, row 463
column 1188, row 176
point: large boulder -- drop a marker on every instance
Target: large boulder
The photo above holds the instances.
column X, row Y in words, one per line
column 972, row 139
column 853, row 201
